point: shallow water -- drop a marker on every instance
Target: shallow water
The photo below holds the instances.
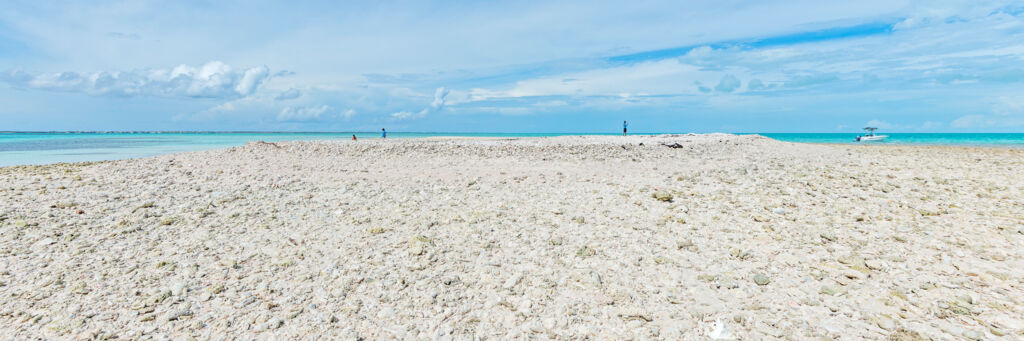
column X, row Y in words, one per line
column 19, row 148
column 963, row 139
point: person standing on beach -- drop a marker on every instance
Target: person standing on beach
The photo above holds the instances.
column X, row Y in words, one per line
column 353, row 137
column 624, row 125
column 383, row 134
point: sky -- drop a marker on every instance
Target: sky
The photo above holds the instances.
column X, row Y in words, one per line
column 513, row 66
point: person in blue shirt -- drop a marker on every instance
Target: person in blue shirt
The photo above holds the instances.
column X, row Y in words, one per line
column 383, row 133
column 624, row 125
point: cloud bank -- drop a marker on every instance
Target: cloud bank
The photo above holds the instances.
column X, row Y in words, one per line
column 440, row 94
column 791, row 65
column 303, row 113
column 211, row 80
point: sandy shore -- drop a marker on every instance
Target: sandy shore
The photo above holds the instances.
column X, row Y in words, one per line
column 727, row 237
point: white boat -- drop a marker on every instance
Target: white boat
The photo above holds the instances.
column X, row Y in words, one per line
column 869, row 136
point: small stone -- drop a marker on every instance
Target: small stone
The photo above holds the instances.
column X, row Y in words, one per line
column 662, row 196
column 585, row 252
column 827, row 290
column 512, row 281
column 80, row 288
column 179, row 313
column 385, row 313
column 685, row 244
column 853, row 274
column 418, row 245
column 159, row 296
column 906, row 335
column 898, row 293
column 449, row 280
column 762, row 279
column 20, row 223
column 779, row 210
column 63, row 205
column 828, row 235
column 215, row 289
column 885, row 322
column 965, row 299
column 761, row 219
column 376, row 230
column 971, row 334
column 741, row 254
column 44, row 243
column 178, row 288
column 727, row 282
column 874, row 264
column 720, row 331
column 550, row 323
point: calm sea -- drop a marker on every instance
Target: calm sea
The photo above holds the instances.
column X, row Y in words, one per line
column 40, row 148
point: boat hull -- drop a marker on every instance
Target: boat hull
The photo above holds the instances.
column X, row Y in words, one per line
column 875, row 138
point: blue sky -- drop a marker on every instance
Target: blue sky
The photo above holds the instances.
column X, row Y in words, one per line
column 462, row 66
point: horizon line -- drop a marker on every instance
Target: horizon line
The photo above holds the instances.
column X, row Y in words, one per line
column 435, row 132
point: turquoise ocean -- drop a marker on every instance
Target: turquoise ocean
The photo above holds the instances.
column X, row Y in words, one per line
column 23, row 148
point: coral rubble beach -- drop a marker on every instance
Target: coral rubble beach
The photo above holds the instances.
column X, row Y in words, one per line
column 723, row 236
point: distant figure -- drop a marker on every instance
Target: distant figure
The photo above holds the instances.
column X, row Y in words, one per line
column 624, row 126
column 353, row 137
column 383, row 133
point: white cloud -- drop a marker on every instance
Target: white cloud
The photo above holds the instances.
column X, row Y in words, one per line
column 701, row 87
column 224, row 107
column 757, row 85
column 1007, row 106
column 211, row 80
column 654, row 77
column 251, row 79
column 968, row 121
column 302, row 113
column 930, row 125
column 909, row 57
column 729, row 83
column 407, row 115
column 881, row 124
column 439, row 101
column 439, row 96
column 348, row 113
column 292, row 93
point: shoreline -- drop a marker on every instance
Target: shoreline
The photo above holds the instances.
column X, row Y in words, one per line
column 147, row 154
